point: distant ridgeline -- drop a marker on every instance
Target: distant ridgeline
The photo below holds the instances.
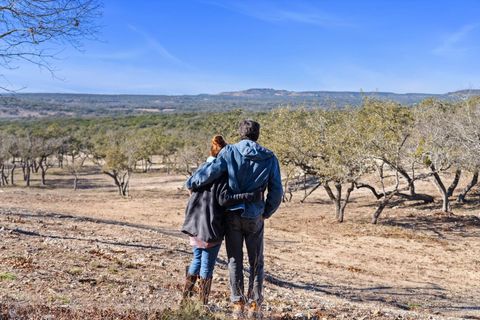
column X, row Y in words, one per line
column 34, row 105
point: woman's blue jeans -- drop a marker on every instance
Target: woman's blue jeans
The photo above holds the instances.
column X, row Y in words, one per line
column 203, row 261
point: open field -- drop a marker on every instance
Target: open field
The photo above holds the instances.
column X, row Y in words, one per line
column 41, row 105
column 89, row 251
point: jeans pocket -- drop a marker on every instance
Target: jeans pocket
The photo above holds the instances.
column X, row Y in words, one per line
column 255, row 224
column 233, row 222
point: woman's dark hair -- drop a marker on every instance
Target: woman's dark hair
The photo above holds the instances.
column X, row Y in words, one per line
column 249, row 129
column 218, row 142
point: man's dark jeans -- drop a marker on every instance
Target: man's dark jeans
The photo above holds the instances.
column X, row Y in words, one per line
column 238, row 230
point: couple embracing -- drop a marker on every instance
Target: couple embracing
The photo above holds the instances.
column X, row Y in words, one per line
column 231, row 195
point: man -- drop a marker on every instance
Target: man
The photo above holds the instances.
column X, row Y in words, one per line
column 249, row 166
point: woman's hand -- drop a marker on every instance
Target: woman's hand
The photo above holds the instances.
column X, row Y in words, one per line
column 257, row 195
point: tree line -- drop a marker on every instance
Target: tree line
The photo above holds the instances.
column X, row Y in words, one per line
column 381, row 146
column 116, row 146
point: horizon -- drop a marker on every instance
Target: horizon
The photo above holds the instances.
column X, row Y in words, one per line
column 207, row 46
column 234, row 91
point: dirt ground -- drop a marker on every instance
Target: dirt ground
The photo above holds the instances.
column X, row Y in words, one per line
column 91, row 249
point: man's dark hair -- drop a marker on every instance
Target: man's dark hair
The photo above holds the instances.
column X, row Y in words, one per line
column 249, row 129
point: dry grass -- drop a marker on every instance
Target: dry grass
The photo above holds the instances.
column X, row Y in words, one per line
column 90, row 254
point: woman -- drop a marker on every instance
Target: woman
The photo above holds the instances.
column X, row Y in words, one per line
column 204, row 223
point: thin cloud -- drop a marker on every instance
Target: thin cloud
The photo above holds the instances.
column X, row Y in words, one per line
column 117, row 56
column 155, row 45
column 451, row 44
column 272, row 12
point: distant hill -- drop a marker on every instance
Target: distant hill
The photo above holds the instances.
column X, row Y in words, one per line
column 465, row 93
column 28, row 105
column 339, row 98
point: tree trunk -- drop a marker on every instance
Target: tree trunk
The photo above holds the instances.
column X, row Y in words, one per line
column 60, row 161
column 310, row 192
column 119, row 184
column 360, row 185
column 379, row 210
column 114, row 176
column 27, row 175
column 454, row 183
column 126, row 184
column 149, row 163
column 411, row 187
column 285, row 190
column 75, row 183
column 2, row 175
column 340, row 204
column 471, row 184
column 441, row 188
column 12, row 174
column 385, row 201
column 338, row 211
column 26, row 169
column 5, row 176
column 403, row 173
column 36, row 165
column 122, row 182
column 345, row 201
column 43, row 170
column 445, row 203
column 332, row 197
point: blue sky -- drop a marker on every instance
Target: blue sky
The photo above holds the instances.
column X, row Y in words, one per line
column 209, row 46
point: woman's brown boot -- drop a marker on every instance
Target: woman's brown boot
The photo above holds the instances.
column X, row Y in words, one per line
column 189, row 285
column 205, row 286
column 190, row 280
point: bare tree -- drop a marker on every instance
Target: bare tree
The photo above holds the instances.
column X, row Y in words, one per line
column 76, row 153
column 117, row 152
column 45, row 150
column 4, row 157
column 467, row 134
column 323, row 146
column 438, row 146
column 11, row 147
column 386, row 131
column 297, row 137
column 34, row 30
column 386, row 196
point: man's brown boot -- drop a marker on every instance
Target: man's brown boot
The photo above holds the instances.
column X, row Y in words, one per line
column 237, row 310
column 254, row 311
column 205, row 286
